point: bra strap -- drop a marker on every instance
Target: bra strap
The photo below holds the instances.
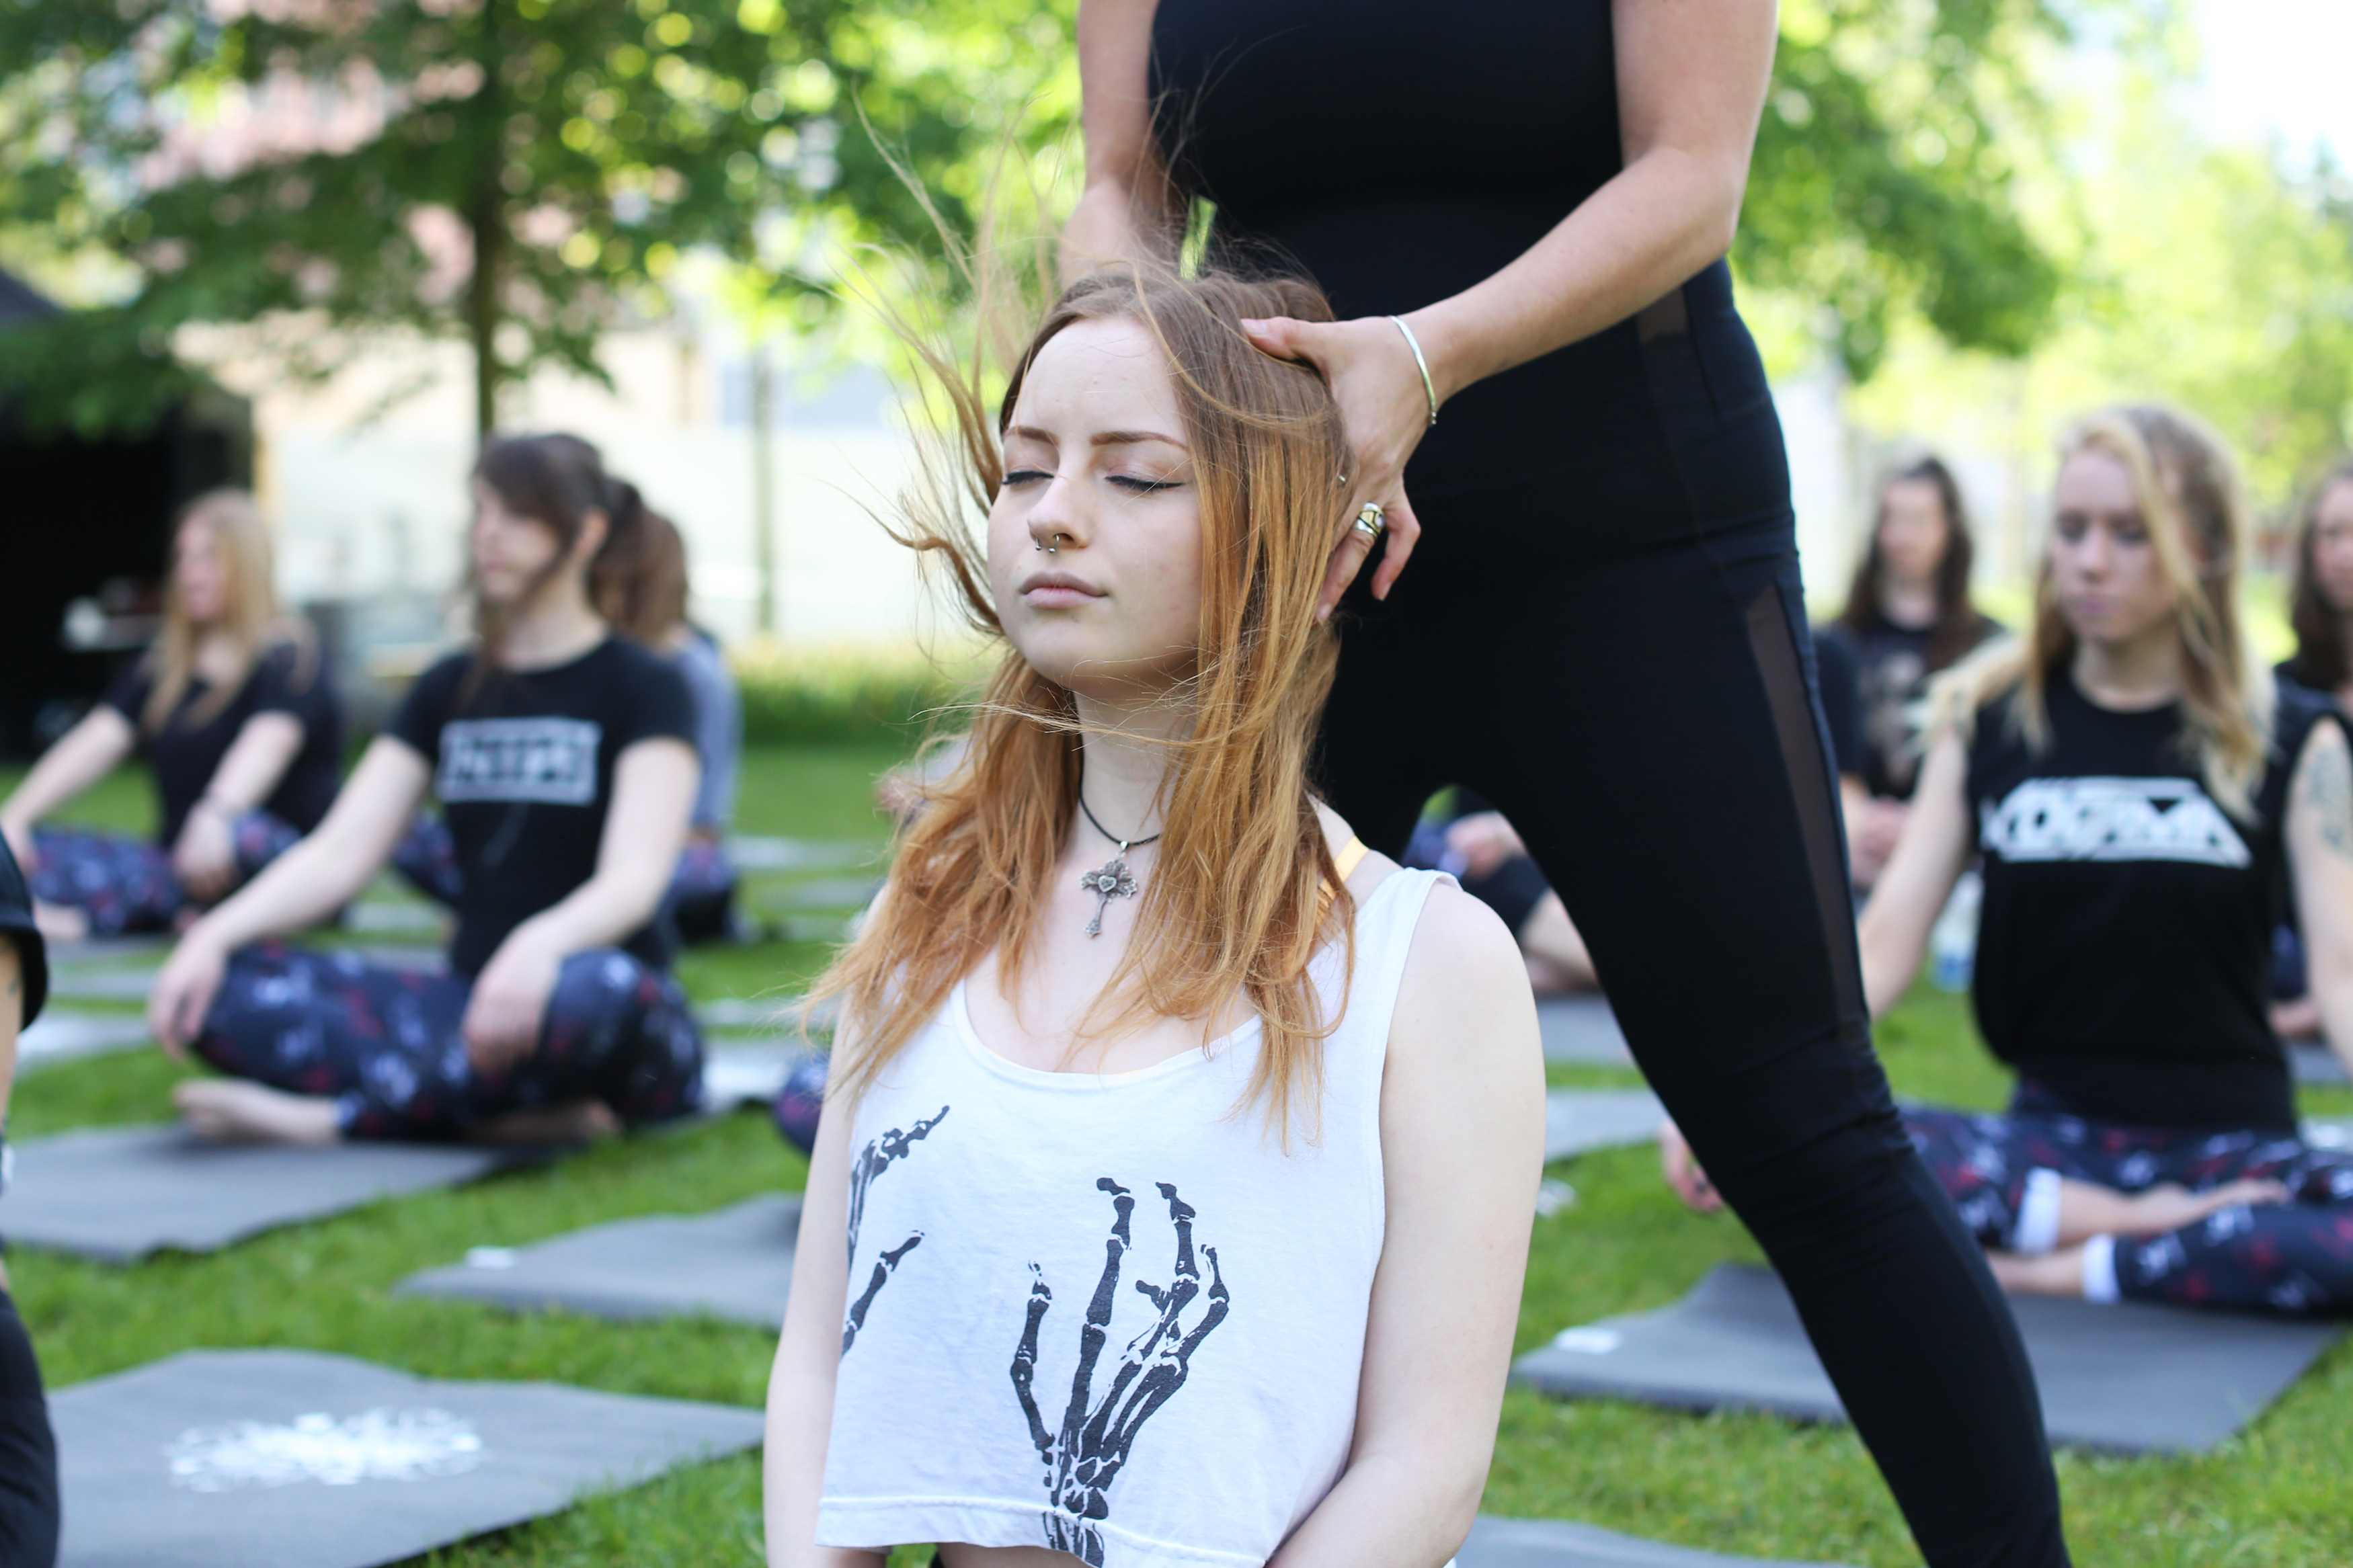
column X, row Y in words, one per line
column 1351, row 855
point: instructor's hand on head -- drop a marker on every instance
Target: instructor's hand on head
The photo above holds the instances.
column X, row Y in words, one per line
column 1384, row 409
column 509, row 1007
column 185, row 990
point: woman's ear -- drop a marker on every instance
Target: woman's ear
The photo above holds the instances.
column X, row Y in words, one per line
column 594, row 528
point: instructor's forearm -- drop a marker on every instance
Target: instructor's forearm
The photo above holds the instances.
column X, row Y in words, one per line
column 1662, row 219
column 2333, row 994
column 83, row 755
column 1403, row 1514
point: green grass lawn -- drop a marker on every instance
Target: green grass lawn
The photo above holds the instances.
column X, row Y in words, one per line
column 1748, row 1484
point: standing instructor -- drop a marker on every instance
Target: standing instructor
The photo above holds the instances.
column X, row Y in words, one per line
column 1519, row 209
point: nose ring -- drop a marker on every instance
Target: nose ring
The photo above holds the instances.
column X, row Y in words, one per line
column 1052, row 548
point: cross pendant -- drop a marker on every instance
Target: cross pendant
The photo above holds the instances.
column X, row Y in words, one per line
column 1111, row 882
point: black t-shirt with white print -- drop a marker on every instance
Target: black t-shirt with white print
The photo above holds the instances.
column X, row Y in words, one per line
column 523, row 767
column 2123, row 950
column 288, row 678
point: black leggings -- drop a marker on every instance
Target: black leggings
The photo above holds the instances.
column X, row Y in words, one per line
column 1619, row 662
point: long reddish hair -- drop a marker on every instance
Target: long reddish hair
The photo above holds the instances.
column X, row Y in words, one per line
column 1243, row 893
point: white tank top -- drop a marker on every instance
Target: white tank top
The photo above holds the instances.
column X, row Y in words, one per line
column 1109, row 1314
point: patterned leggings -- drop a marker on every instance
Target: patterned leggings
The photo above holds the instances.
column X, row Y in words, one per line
column 699, row 905
column 2296, row 1256
column 385, row 1044
column 125, row 885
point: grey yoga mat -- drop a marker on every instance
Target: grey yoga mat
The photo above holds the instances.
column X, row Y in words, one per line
column 62, row 1034
column 117, row 1194
column 2128, row 1378
column 277, row 1458
column 2314, row 1063
column 1578, row 1120
column 735, row 1264
column 1557, row 1543
column 1582, row 1029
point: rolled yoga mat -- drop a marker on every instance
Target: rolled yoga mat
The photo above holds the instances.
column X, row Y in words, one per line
column 1558, row 1543
column 279, row 1458
column 735, row 1264
column 118, row 1194
column 2131, row 1377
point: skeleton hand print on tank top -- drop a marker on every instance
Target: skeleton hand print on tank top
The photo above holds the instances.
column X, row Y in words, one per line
column 876, row 1157
column 1084, row 1455
column 1132, row 1327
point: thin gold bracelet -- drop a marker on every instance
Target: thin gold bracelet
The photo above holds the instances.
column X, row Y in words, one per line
column 1428, row 389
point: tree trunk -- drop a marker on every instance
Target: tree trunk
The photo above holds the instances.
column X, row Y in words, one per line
column 486, row 221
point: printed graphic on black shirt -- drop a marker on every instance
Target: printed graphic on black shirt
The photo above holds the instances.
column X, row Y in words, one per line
column 2113, row 819
column 1085, row 1455
column 879, row 1155
column 549, row 760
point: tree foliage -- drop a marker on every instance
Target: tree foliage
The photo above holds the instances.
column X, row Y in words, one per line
column 513, row 171
column 1885, row 165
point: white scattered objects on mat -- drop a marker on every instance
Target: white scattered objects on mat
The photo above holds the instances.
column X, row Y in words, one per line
column 1578, row 1120
column 1582, row 1029
column 60, row 1034
column 278, row 1459
column 117, row 1194
column 735, row 1263
column 751, row 854
column 2128, row 1378
column 1557, row 1543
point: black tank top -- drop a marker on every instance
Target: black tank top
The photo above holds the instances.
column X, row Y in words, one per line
column 1400, row 151
column 2124, row 951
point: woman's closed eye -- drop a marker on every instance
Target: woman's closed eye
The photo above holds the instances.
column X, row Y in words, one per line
column 1143, row 485
column 1027, row 476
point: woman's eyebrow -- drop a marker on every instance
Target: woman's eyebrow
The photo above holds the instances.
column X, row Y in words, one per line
column 1101, row 439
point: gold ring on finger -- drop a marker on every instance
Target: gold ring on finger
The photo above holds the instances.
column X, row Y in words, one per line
column 1371, row 520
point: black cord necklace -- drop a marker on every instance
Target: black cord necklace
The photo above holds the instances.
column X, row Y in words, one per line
column 1113, row 880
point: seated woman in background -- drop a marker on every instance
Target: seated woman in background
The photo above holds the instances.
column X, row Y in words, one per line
column 642, row 591
column 235, row 719
column 1908, row 615
column 2143, row 800
column 2320, row 605
column 563, row 757
column 1463, row 835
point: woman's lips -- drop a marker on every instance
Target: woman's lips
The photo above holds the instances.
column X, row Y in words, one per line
column 1057, row 590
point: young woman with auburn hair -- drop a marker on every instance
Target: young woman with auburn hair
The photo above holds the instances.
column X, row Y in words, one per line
column 2146, row 799
column 1179, row 1153
column 238, row 722
column 563, row 759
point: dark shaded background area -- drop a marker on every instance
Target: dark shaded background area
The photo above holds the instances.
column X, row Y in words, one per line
column 85, row 518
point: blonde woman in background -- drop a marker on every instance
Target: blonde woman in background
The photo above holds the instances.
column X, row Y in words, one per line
column 234, row 715
column 2145, row 797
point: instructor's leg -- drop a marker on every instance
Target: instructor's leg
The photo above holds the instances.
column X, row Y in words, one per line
column 1676, row 791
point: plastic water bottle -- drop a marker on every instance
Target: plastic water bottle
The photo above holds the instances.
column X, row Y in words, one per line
column 1953, row 939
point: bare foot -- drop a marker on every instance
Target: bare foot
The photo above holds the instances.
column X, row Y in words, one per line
column 235, row 1112
column 2057, row 1273
column 576, row 1122
column 2168, row 1207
